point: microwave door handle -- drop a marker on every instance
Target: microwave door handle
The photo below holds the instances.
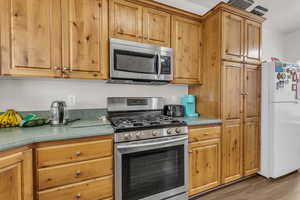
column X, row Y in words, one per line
column 159, row 64
column 151, row 143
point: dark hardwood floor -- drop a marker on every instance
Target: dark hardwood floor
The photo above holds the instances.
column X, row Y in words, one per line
column 259, row 188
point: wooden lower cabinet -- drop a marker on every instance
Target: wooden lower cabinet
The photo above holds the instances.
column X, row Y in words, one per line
column 75, row 169
column 96, row 189
column 232, row 151
column 16, row 176
column 251, row 147
column 204, row 160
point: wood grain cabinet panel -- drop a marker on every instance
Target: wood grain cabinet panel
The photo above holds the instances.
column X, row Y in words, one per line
column 251, row 147
column 186, row 43
column 68, row 153
column 253, row 36
column 73, row 173
column 204, row 165
column 232, row 90
column 232, row 151
column 31, row 37
column 156, row 27
column 16, row 176
column 232, row 37
column 251, row 119
column 85, row 39
column 126, row 20
column 97, row 189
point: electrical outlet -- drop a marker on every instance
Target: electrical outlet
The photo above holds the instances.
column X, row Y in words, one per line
column 71, row 100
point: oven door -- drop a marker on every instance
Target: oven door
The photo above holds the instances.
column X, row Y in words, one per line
column 152, row 169
column 133, row 60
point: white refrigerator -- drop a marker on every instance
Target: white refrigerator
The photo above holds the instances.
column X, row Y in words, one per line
column 280, row 119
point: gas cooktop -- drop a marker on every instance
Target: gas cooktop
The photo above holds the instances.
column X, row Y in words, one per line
column 142, row 121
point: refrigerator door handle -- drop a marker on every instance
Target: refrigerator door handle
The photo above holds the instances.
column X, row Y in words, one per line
column 295, row 102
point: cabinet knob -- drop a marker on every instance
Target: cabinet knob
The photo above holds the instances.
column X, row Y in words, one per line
column 78, row 196
column 78, row 173
column 140, row 36
column 78, row 153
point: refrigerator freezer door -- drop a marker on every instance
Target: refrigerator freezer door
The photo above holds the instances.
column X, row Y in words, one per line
column 285, row 148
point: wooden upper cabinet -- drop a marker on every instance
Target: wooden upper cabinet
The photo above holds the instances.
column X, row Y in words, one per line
column 252, row 42
column 126, row 20
column 232, row 91
column 16, row 176
column 156, row 27
column 252, row 91
column 187, row 50
column 129, row 21
column 31, row 37
column 232, row 37
column 85, row 39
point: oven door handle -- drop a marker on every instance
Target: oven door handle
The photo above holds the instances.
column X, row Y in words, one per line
column 151, row 143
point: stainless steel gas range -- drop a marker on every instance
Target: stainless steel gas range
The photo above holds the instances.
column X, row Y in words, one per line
column 150, row 150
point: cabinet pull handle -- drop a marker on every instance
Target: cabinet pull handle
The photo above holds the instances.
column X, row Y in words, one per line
column 78, row 173
column 140, row 36
column 197, row 170
column 66, row 68
column 78, row 153
column 190, row 151
column 57, row 68
column 78, row 196
column 205, row 134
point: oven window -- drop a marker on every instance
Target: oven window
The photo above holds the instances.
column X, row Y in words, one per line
column 129, row 61
column 151, row 172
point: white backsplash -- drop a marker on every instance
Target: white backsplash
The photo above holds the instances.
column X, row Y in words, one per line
column 25, row 94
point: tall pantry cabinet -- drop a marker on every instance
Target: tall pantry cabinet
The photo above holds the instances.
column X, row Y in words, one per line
column 231, row 86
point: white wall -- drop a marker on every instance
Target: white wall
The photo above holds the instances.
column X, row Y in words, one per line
column 272, row 44
column 292, row 47
column 37, row 94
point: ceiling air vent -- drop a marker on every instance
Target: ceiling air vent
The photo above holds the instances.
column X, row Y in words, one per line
column 243, row 4
column 259, row 10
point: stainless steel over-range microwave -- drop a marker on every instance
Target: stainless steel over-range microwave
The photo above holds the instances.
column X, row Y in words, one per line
column 134, row 61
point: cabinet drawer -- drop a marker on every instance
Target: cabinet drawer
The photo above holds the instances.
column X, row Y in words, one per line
column 73, row 173
column 60, row 154
column 198, row 134
column 97, row 189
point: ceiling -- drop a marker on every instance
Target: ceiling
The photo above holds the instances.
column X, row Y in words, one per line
column 283, row 15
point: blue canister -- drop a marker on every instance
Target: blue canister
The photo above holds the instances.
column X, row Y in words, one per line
column 189, row 104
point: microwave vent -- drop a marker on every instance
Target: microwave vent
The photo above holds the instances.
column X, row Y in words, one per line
column 242, row 4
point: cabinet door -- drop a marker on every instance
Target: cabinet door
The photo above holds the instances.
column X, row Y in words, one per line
column 252, row 42
column 232, row 37
column 186, row 43
column 251, row 119
column 85, row 39
column 125, row 20
column 232, row 109
column 16, row 177
column 156, row 27
column 232, row 91
column 204, row 165
column 232, row 151
column 31, row 37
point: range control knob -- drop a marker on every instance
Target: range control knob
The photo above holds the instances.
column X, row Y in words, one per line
column 127, row 136
column 178, row 130
column 155, row 133
column 169, row 131
column 138, row 135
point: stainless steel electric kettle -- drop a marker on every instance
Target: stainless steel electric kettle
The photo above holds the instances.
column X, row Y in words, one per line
column 59, row 114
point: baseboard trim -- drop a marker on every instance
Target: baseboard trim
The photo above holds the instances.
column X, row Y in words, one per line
column 196, row 196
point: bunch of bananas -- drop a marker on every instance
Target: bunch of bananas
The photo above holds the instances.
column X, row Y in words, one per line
column 10, row 119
